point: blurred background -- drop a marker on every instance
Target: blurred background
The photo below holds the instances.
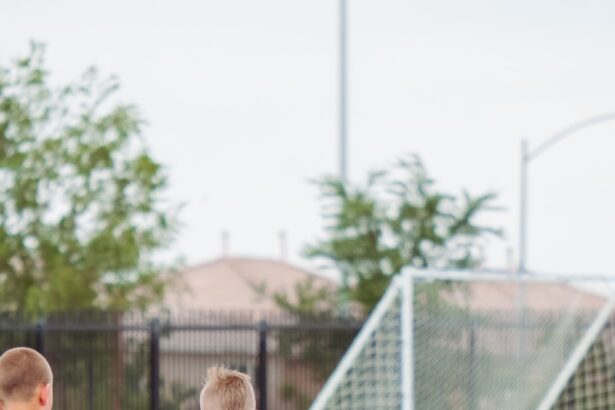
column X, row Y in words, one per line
column 241, row 100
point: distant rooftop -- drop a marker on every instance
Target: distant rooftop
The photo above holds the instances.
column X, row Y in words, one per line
column 231, row 283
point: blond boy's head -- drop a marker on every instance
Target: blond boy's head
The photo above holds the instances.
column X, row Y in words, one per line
column 227, row 390
column 25, row 380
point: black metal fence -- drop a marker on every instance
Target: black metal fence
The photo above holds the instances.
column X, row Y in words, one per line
column 119, row 361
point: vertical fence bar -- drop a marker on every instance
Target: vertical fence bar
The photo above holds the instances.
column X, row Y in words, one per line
column 262, row 365
column 40, row 337
column 154, row 364
column 90, row 384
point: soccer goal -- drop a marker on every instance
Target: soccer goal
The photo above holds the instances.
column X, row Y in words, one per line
column 475, row 340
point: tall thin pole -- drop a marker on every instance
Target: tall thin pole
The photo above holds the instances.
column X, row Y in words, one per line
column 343, row 129
column 523, row 209
column 522, row 287
column 342, row 96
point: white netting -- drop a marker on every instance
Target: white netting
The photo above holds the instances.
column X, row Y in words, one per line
column 592, row 386
column 373, row 380
column 483, row 342
column 495, row 344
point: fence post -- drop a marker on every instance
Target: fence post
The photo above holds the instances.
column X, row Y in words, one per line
column 262, row 365
column 90, row 384
column 40, row 337
column 154, row 362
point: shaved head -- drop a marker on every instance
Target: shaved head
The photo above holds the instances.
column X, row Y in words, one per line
column 23, row 373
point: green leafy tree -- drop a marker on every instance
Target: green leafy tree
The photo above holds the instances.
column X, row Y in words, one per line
column 397, row 219
column 81, row 209
column 309, row 300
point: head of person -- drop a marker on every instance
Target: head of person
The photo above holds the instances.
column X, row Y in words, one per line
column 227, row 389
column 25, row 380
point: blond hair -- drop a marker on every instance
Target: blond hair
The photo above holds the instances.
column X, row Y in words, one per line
column 22, row 371
column 227, row 389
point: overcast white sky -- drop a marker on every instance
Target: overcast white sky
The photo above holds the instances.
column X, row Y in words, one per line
column 241, row 97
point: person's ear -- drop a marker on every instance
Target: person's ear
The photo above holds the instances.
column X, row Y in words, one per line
column 45, row 395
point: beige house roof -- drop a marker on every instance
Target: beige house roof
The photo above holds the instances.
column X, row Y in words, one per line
column 233, row 284
column 236, row 284
column 539, row 297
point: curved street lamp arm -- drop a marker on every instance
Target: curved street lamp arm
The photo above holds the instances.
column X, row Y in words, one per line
column 567, row 131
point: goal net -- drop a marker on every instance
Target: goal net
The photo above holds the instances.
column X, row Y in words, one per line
column 463, row 340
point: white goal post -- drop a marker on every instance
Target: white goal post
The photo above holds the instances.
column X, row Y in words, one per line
column 470, row 340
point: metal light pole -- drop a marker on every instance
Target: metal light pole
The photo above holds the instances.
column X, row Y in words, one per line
column 527, row 156
column 342, row 96
column 343, row 130
column 523, row 207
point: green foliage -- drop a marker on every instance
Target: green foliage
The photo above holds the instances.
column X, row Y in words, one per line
column 175, row 396
column 290, row 393
column 397, row 219
column 308, row 300
column 81, row 211
column 315, row 350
